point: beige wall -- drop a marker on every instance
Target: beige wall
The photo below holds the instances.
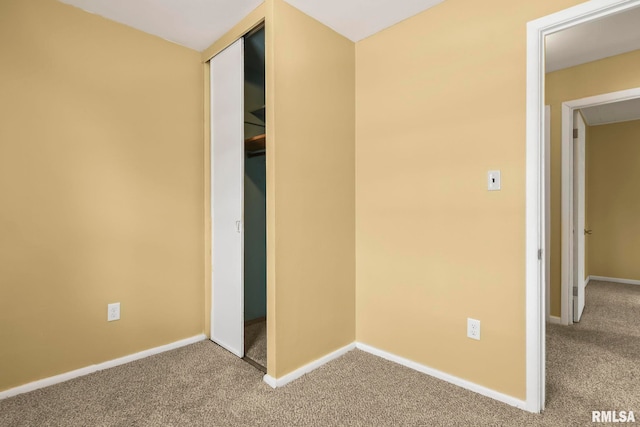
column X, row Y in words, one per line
column 607, row 75
column 101, row 175
column 101, row 187
column 613, row 171
column 440, row 101
column 311, row 161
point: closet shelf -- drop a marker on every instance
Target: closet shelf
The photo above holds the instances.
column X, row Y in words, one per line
column 255, row 143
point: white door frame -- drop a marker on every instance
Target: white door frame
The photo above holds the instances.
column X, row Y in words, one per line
column 546, row 175
column 568, row 109
column 535, row 219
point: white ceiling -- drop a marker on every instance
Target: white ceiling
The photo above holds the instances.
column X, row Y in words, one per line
column 615, row 112
column 359, row 19
column 192, row 23
column 593, row 40
column 198, row 23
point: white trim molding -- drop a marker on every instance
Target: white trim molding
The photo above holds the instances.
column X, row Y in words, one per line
column 615, row 280
column 279, row 382
column 555, row 320
column 443, row 376
column 286, row 379
column 546, row 200
column 537, row 30
column 35, row 385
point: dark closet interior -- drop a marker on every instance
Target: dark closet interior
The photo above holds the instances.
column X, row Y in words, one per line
column 255, row 242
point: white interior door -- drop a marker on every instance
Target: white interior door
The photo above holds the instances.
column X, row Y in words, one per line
column 227, row 194
column 579, row 214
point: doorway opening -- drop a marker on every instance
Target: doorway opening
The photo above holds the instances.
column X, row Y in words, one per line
column 578, row 116
column 255, row 189
column 537, row 217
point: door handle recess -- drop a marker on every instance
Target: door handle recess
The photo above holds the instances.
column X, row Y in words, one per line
column 238, row 226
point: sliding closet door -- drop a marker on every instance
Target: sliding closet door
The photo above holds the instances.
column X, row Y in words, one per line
column 227, row 189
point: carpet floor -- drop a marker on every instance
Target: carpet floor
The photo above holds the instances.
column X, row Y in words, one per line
column 594, row 365
column 255, row 342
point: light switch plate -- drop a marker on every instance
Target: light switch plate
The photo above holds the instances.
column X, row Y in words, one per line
column 493, row 180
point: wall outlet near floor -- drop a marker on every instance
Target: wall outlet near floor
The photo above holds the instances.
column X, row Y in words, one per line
column 113, row 312
column 473, row 329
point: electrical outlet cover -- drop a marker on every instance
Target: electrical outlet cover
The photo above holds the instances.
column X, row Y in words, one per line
column 473, row 329
column 113, row 311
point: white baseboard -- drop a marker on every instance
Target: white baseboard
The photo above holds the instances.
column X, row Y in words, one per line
column 554, row 319
column 35, row 385
column 615, row 280
column 444, row 376
column 270, row 381
column 279, row 382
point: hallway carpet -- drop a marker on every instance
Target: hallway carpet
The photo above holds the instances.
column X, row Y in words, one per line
column 594, row 365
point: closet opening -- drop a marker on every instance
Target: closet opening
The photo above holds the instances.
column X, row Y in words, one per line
column 255, row 226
